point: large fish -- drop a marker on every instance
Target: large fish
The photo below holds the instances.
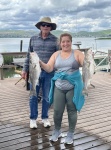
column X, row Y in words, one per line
column 34, row 72
column 88, row 70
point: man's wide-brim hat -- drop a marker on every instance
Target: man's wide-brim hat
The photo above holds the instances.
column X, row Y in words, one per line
column 46, row 20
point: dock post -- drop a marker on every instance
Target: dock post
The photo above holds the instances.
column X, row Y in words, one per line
column 1, row 73
column 109, row 59
column 1, row 66
column 21, row 43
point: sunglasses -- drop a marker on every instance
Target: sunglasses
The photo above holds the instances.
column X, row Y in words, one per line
column 45, row 24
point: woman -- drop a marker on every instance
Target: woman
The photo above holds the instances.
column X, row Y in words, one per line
column 66, row 86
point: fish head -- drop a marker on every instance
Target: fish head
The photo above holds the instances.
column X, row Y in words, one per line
column 88, row 55
column 89, row 52
column 34, row 59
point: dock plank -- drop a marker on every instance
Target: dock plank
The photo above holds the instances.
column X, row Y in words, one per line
column 93, row 125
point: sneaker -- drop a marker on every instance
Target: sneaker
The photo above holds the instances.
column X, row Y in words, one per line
column 33, row 124
column 55, row 135
column 69, row 138
column 46, row 123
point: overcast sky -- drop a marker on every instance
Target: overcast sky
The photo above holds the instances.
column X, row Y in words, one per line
column 69, row 15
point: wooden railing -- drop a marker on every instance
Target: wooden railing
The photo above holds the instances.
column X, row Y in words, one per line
column 9, row 66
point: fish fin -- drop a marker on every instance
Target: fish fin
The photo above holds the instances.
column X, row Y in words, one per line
column 92, row 85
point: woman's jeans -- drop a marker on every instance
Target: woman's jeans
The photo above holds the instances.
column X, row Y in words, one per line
column 44, row 83
column 62, row 99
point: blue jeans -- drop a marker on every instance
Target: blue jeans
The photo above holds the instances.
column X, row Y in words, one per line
column 44, row 83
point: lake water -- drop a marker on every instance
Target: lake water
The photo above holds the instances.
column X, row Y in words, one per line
column 13, row 44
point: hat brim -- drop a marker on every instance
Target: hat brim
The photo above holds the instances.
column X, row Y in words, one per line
column 53, row 25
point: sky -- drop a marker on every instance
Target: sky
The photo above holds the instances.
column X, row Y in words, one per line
column 69, row 15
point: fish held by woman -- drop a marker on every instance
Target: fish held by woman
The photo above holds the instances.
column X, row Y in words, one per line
column 34, row 72
column 88, row 70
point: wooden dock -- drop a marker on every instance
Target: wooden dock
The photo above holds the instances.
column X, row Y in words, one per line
column 93, row 130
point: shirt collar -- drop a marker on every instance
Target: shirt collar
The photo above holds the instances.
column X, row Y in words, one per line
column 49, row 36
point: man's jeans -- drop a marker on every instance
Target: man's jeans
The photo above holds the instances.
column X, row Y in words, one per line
column 44, row 83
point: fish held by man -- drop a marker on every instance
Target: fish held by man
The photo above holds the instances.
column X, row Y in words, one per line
column 34, row 72
column 88, row 70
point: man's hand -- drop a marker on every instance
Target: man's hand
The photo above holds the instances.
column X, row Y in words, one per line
column 24, row 75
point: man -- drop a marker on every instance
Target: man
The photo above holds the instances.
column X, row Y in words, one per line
column 44, row 44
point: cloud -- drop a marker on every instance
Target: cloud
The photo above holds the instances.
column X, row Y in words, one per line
column 73, row 16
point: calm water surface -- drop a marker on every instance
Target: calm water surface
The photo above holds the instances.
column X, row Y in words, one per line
column 13, row 44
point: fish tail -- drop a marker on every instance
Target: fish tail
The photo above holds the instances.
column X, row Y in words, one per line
column 85, row 92
column 33, row 93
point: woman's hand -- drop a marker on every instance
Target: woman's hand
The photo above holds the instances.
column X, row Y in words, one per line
column 44, row 66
